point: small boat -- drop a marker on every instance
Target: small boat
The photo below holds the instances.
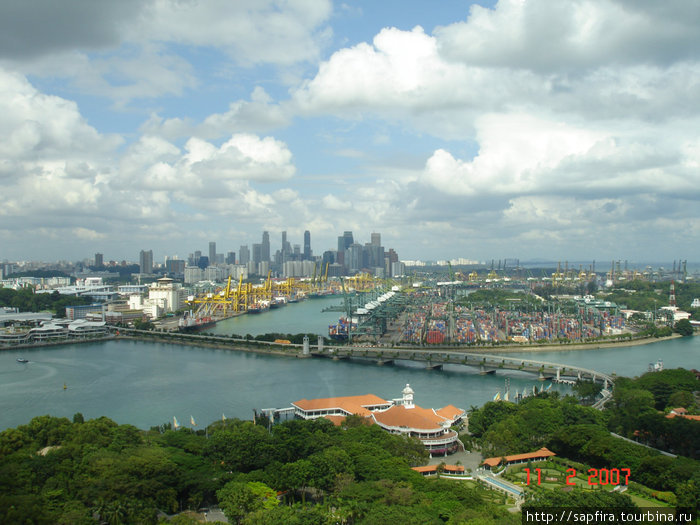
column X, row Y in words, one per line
column 22, row 360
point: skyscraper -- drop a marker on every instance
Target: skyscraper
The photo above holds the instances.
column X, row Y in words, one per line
column 265, row 248
column 243, row 254
column 307, row 245
column 146, row 261
column 212, row 253
column 99, row 260
column 376, row 239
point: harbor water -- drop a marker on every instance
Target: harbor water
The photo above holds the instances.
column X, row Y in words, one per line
column 147, row 384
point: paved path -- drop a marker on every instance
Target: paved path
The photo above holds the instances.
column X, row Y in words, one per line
column 215, row 514
column 469, row 460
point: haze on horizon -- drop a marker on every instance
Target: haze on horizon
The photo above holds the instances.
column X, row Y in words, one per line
column 533, row 130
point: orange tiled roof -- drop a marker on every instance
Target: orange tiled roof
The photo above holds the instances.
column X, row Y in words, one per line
column 541, row 453
column 416, row 417
column 350, row 404
column 684, row 416
column 450, row 412
column 433, row 468
column 336, row 420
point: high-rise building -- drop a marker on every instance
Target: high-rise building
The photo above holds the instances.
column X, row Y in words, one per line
column 231, row 258
column 203, row 262
column 353, row 257
column 99, row 260
column 347, row 240
column 257, row 253
column 265, row 254
column 307, row 245
column 286, row 250
column 212, row 252
column 243, row 254
column 376, row 239
column 146, row 261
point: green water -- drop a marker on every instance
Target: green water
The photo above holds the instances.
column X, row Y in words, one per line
column 146, row 384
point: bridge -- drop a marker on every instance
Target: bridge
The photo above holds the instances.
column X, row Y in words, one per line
column 434, row 358
column 486, row 363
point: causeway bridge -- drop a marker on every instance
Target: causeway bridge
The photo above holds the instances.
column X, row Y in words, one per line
column 486, row 363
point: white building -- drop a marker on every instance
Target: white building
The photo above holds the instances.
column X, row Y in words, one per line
column 678, row 315
column 193, row 274
column 399, row 416
column 166, row 294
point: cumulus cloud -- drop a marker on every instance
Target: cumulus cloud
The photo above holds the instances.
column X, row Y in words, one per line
column 547, row 36
column 250, row 31
column 37, row 27
column 259, row 114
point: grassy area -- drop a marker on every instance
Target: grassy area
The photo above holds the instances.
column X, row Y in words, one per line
column 558, row 469
column 644, row 502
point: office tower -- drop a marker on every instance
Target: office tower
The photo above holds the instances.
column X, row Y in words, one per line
column 376, row 239
column 146, row 261
column 244, row 254
column 197, row 255
column 286, row 247
column 231, row 258
column 265, row 249
column 212, row 252
column 257, row 253
column 307, row 245
column 347, row 240
column 353, row 257
column 203, row 262
column 99, row 259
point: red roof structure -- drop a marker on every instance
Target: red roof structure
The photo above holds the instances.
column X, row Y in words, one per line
column 539, row 455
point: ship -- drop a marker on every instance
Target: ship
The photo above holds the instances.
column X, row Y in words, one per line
column 339, row 332
column 259, row 307
column 278, row 302
column 190, row 323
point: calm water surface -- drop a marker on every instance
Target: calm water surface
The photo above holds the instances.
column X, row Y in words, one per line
column 146, row 384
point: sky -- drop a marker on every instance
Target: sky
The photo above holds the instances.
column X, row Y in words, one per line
column 529, row 129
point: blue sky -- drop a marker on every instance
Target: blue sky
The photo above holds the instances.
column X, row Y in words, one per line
column 512, row 129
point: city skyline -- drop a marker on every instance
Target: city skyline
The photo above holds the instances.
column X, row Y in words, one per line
column 482, row 129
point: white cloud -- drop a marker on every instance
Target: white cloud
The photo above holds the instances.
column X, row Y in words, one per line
column 555, row 36
column 250, row 31
column 259, row 114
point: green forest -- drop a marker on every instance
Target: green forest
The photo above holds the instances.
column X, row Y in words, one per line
column 98, row 470
column 57, row 471
column 637, row 411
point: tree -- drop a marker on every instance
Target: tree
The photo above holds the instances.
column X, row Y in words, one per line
column 587, row 390
column 683, row 327
column 238, row 499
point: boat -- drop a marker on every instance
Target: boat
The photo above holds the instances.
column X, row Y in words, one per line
column 22, row 360
column 339, row 332
column 190, row 323
column 259, row 307
column 277, row 302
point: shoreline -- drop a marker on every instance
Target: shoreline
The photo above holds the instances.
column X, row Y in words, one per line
column 267, row 348
column 578, row 346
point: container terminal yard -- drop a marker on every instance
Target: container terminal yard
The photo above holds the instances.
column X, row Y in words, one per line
column 437, row 312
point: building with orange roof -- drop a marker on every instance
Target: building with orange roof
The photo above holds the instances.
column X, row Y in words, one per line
column 339, row 406
column 399, row 416
column 430, row 470
column 539, row 455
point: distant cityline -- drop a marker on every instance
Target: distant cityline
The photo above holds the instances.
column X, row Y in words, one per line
column 290, row 260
